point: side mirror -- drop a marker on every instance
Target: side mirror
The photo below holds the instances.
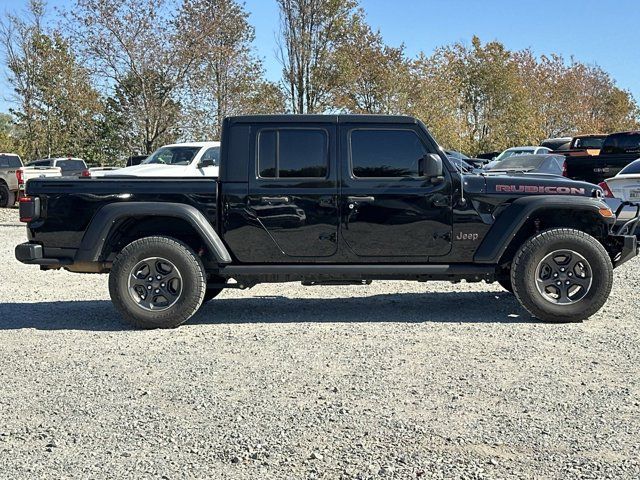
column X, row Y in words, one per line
column 431, row 167
column 207, row 162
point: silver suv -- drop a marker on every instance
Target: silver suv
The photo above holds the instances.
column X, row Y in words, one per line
column 9, row 163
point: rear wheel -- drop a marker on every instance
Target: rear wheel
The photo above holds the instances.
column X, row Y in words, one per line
column 562, row 275
column 157, row 282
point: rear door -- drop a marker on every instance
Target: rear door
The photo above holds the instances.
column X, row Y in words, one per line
column 388, row 209
column 293, row 191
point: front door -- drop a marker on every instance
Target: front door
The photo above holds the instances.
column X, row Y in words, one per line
column 388, row 208
column 293, row 191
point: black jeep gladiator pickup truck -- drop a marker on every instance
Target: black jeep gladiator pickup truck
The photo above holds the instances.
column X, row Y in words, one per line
column 327, row 199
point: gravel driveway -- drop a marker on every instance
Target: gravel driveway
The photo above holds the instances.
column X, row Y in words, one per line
column 391, row 380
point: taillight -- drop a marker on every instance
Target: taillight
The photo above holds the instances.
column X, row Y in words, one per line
column 607, row 191
column 20, row 176
column 85, row 173
column 564, row 169
column 29, row 209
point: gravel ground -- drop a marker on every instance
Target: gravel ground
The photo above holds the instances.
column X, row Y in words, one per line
column 391, row 380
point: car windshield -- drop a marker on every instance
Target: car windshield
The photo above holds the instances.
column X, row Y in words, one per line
column 515, row 151
column 589, row 142
column 520, row 162
column 632, row 168
column 173, row 156
column 622, row 143
column 11, row 161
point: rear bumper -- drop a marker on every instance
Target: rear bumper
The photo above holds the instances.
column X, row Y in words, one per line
column 33, row 254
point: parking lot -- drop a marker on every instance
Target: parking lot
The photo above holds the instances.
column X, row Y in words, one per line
column 394, row 379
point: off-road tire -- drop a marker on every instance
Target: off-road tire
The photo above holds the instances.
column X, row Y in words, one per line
column 189, row 265
column 526, row 262
column 7, row 197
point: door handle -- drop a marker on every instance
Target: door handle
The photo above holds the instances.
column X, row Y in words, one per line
column 361, row 199
column 275, row 200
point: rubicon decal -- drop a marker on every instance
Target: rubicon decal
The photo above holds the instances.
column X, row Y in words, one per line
column 540, row 189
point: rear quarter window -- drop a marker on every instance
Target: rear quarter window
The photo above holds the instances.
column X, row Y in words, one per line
column 10, row 161
column 71, row 164
column 622, row 143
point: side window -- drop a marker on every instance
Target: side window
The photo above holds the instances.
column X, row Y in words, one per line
column 380, row 153
column 293, row 153
column 212, row 154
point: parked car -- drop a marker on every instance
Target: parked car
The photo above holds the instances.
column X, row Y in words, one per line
column 625, row 185
column 24, row 174
column 560, row 144
column 474, row 162
column 198, row 159
column 585, row 145
column 386, row 205
column 618, row 151
column 532, row 150
column 551, row 164
column 69, row 166
column 9, row 164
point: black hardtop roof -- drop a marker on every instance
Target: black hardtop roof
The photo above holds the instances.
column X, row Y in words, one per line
column 341, row 118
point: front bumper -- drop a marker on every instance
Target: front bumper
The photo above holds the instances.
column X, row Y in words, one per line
column 628, row 248
column 33, row 254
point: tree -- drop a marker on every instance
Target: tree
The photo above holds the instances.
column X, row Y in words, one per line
column 143, row 49
column 9, row 141
column 56, row 104
column 484, row 97
column 230, row 78
column 309, row 33
column 371, row 76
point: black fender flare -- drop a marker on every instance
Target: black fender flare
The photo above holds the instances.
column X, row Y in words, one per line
column 511, row 220
column 108, row 216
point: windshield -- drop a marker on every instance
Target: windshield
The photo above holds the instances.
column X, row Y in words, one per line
column 515, row 151
column 173, row 156
column 520, row 162
column 633, row 167
column 622, row 143
column 589, row 142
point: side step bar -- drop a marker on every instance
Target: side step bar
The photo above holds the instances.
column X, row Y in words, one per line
column 363, row 270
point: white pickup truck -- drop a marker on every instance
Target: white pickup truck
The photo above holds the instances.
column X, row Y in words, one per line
column 9, row 164
column 197, row 159
column 24, row 174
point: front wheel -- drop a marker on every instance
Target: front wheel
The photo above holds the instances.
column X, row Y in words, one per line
column 157, row 282
column 562, row 275
column 7, row 197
